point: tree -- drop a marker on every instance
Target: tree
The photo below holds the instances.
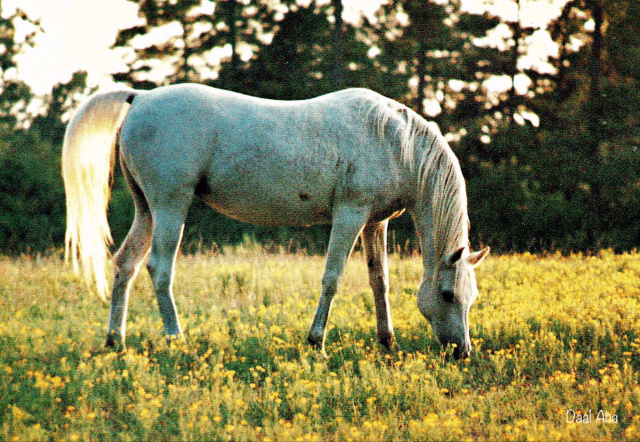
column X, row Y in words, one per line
column 173, row 51
column 15, row 95
column 429, row 48
column 31, row 194
column 247, row 25
column 198, row 41
column 612, row 114
column 50, row 124
column 32, row 201
column 338, row 45
column 306, row 58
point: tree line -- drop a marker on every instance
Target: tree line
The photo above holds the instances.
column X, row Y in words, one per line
column 548, row 145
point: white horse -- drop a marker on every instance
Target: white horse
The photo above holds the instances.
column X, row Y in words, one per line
column 354, row 159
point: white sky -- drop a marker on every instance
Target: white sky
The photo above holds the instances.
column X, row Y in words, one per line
column 78, row 33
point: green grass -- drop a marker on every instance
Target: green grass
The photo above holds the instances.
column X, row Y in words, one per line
column 550, row 334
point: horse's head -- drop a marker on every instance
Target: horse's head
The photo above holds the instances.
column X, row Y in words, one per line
column 446, row 299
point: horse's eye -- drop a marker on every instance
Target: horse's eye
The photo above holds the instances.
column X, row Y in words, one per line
column 447, row 296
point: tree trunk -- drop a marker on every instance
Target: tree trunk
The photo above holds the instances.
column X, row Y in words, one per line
column 598, row 215
column 512, row 99
column 233, row 36
column 595, row 74
column 338, row 46
column 422, row 22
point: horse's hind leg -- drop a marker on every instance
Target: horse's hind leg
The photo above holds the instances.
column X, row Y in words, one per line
column 168, row 224
column 374, row 238
column 127, row 263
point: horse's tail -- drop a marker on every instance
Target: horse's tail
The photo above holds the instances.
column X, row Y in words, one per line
column 88, row 157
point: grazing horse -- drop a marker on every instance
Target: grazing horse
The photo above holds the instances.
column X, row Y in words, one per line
column 353, row 159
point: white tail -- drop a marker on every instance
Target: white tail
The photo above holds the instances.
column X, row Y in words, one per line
column 88, row 156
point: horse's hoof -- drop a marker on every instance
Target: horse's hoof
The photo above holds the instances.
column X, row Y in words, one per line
column 387, row 340
column 114, row 342
column 317, row 344
column 111, row 342
column 315, row 341
column 460, row 354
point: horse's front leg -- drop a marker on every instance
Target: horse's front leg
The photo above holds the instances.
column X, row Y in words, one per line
column 346, row 226
column 374, row 238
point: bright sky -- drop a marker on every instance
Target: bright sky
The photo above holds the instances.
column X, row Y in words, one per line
column 77, row 36
column 78, row 33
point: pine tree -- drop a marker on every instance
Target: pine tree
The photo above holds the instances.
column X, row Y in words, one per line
column 306, row 58
column 202, row 33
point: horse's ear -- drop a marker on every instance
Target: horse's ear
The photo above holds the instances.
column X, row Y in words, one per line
column 454, row 257
column 476, row 257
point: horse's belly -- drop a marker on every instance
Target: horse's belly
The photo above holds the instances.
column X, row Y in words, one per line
column 278, row 204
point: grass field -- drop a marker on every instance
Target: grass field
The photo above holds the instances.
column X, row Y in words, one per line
column 555, row 339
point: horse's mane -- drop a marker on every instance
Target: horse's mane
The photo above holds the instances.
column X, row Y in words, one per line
column 440, row 185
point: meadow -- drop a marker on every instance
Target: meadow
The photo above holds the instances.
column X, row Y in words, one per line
column 556, row 355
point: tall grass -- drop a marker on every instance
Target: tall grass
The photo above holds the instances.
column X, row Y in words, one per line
column 554, row 338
